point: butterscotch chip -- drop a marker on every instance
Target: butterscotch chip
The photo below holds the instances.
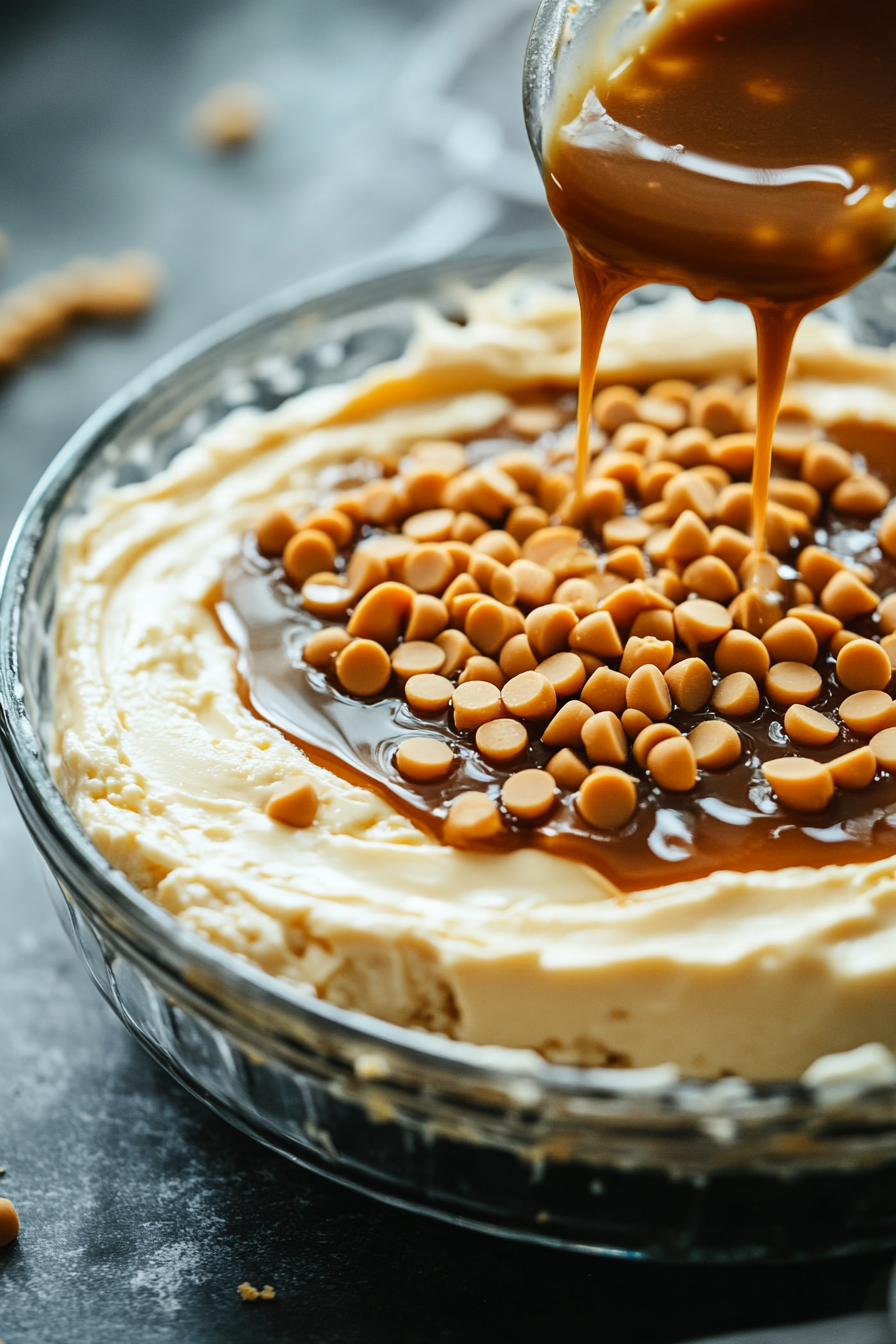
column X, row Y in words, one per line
column 641, row 651
column 846, row 596
column 825, row 465
column 862, row 493
column 472, row 818
column 736, row 695
column 624, row 531
column 480, row 668
column 529, row 696
column 523, row 466
column 607, row 799
column 554, row 494
column 883, row 745
column 274, row 529
column 427, row 693
column 808, row 727
column 444, row 453
column 734, row 452
column 633, row 437
column 690, row 684
column 534, row 583
column 804, row 785
column 855, row 770
column 648, row 692
column 565, row 672
column 365, row 571
column 797, row 495
column 710, row 577
column 326, row 595
column 502, row 739
column 658, row 624
column 428, row 617
column 817, row 567
column 689, row 447
column 660, row 411
column 322, row 647
column 622, row 466
column 627, row 603
column 392, row 550
column 485, row 490
column 716, row 745
column 626, row 560
column 614, row 406
column 476, row 703
column 730, row 545
column 605, row 689
column 580, row 594
column 460, row 586
column 424, row 758
column 517, row 656
column 792, row 684
column 415, row 656
column 650, row 737
column 863, row 665
column 803, row 596
column 634, row 721
column 673, row 389
column 791, row 641
column 468, row 526
column 604, row 739
column 734, row 506
column 524, row 520
column 688, row 538
column 428, row 568
column 456, row 648
column 673, row 764
column 431, row 525
column 425, row 484
column 756, row 610
column 363, row 667
column 494, row 578
column 565, row 728
column 529, row 794
column 887, row 614
column 886, row 534
column 888, row 644
column 294, row 803
column 691, row 492
column 868, row 712
column 716, row 408
column 543, row 545
column 489, row 624
column 381, row 613
column 533, row 421
column 822, row 624
column 841, row 639
column 384, row 502
column 667, row 583
column 308, row 552
column 699, row 621
column 596, row 634
column 548, row 628
column 652, row 480
column 9, row 1222
column 567, row 769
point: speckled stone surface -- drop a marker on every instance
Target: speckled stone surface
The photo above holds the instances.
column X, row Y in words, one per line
column 141, row 1211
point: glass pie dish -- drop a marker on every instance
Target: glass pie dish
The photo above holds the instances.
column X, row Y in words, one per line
column 639, row 1162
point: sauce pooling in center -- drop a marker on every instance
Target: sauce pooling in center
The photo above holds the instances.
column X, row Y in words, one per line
column 742, row 148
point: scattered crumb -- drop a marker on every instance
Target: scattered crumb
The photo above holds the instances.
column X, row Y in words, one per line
column 44, row 308
column 229, row 117
column 9, row 1222
column 250, row 1294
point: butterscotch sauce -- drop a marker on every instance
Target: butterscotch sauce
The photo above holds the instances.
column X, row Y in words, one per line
column 742, row 148
column 730, row 817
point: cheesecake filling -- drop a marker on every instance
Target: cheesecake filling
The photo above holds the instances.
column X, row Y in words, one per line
column 501, row 860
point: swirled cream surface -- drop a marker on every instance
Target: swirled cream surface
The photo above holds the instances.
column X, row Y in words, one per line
column 169, row 772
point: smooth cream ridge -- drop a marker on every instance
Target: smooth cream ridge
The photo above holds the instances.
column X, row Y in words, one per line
column 168, row 773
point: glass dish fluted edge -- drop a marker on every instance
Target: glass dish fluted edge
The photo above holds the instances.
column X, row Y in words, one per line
column 498, row 1139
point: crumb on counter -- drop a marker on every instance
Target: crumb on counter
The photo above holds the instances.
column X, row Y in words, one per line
column 229, row 117
column 250, row 1294
column 44, row 308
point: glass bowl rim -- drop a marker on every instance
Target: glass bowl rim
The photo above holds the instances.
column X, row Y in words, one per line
column 129, row 917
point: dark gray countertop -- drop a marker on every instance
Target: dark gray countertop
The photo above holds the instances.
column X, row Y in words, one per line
column 141, row 1211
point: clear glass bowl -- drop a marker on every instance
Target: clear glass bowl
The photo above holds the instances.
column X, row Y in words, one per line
column 634, row 1163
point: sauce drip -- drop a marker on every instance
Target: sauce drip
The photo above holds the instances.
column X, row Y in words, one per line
column 744, row 149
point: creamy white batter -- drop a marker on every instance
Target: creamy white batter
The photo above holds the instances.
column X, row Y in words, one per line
column 168, row 773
